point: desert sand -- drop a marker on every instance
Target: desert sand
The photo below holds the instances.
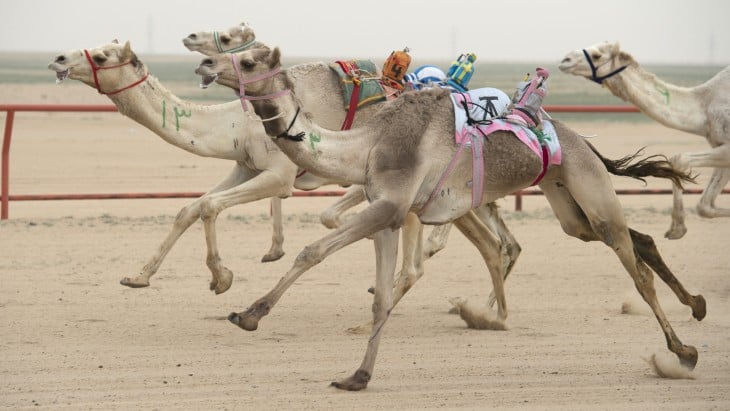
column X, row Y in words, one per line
column 74, row 338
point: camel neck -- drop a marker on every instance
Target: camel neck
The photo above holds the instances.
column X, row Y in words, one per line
column 673, row 106
column 205, row 130
column 326, row 153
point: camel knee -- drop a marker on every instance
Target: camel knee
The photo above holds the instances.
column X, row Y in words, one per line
column 705, row 210
column 579, row 231
column 188, row 214
column 208, row 211
column 309, row 256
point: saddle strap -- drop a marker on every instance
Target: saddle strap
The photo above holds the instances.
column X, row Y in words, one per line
column 477, row 171
column 351, row 70
column 545, row 161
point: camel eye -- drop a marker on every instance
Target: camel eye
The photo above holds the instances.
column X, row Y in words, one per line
column 595, row 56
column 248, row 64
column 99, row 59
column 225, row 39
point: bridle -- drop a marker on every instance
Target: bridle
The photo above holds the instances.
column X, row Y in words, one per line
column 242, row 94
column 242, row 83
column 219, row 46
column 594, row 70
column 95, row 69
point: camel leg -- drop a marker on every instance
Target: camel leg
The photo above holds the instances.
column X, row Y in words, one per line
column 185, row 218
column 648, row 252
column 719, row 158
column 489, row 247
column 380, row 214
column 436, row 240
column 706, row 207
column 386, row 250
column 277, row 238
column 267, row 184
column 330, row 217
column 588, row 208
column 677, row 228
column 509, row 247
column 412, row 265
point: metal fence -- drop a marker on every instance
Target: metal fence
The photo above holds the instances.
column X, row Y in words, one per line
column 11, row 109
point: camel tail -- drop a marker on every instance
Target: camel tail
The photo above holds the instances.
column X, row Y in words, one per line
column 653, row 166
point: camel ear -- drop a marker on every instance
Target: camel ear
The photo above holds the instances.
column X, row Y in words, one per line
column 126, row 52
column 275, row 57
column 615, row 48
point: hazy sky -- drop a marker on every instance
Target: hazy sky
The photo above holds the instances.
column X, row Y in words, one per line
column 654, row 31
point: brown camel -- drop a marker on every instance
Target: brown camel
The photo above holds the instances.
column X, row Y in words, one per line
column 400, row 157
column 703, row 110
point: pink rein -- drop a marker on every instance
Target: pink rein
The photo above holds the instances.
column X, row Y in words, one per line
column 242, row 83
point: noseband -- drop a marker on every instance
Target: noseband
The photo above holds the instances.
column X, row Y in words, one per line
column 245, row 46
column 594, row 70
column 242, row 83
column 95, row 69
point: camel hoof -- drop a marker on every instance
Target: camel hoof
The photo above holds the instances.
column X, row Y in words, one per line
column 688, row 357
column 371, row 290
column 361, row 329
column 699, row 309
column 223, row 282
column 358, row 381
column 134, row 283
column 675, row 233
column 242, row 322
column 272, row 256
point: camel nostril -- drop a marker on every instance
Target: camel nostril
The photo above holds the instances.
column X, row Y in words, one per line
column 207, row 62
column 60, row 59
column 193, row 36
column 565, row 60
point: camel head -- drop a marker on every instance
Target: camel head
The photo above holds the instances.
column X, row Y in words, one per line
column 109, row 68
column 209, row 43
column 596, row 62
column 254, row 65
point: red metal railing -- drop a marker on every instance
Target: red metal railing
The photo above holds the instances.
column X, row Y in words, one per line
column 11, row 109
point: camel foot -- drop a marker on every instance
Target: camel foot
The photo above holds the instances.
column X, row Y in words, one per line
column 699, row 308
column 366, row 328
column 676, row 232
column 371, row 290
column 223, row 282
column 688, row 356
column 139, row 282
column 356, row 382
column 249, row 319
column 272, row 256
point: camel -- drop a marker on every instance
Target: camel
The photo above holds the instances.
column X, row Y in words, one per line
column 261, row 170
column 703, row 110
column 234, row 39
column 406, row 159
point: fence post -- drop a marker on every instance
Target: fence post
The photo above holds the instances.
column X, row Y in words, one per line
column 6, row 164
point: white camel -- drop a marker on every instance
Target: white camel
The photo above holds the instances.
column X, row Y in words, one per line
column 400, row 156
column 234, row 39
column 703, row 110
column 261, row 170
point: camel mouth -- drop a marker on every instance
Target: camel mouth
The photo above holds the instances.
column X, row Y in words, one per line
column 61, row 75
column 207, row 80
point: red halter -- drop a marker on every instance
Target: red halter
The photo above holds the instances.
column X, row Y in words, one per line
column 95, row 69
